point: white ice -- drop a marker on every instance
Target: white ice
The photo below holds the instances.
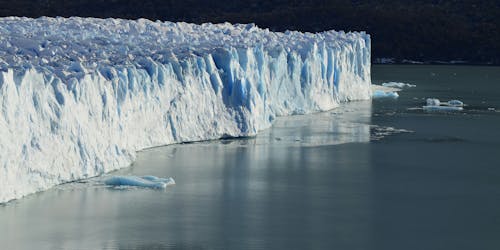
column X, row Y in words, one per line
column 385, row 94
column 398, row 85
column 442, row 108
column 80, row 96
column 434, row 104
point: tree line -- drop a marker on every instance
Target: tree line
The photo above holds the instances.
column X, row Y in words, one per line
column 421, row 30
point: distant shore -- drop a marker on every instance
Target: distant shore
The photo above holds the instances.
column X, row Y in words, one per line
column 393, row 61
column 422, row 30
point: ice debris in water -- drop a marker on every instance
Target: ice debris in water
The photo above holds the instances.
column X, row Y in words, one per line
column 379, row 91
column 398, row 85
column 442, row 108
column 455, row 103
column 140, row 181
column 380, row 132
column 434, row 104
column 385, row 94
column 99, row 90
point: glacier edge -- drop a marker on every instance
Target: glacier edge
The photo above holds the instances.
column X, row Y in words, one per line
column 56, row 129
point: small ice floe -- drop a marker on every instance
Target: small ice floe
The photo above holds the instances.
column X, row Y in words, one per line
column 398, row 85
column 385, row 60
column 384, row 94
column 379, row 91
column 434, row 104
column 414, row 108
column 379, row 132
column 442, row 108
column 455, row 103
column 140, row 181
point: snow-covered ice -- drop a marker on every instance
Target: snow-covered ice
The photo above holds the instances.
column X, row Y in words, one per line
column 80, row 96
column 140, row 181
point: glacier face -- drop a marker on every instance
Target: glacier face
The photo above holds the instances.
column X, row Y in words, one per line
column 80, row 96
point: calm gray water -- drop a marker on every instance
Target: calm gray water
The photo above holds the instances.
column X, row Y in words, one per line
column 337, row 180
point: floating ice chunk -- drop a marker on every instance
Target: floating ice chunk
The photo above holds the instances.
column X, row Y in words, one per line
column 411, row 61
column 144, row 181
column 375, row 87
column 438, row 108
column 384, row 94
column 398, row 85
column 158, row 179
column 433, row 102
column 385, row 60
column 455, row 103
column 380, row 132
column 436, row 102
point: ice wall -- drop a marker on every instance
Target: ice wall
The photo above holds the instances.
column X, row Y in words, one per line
column 80, row 96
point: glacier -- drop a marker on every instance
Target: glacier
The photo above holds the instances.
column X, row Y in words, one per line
column 80, row 96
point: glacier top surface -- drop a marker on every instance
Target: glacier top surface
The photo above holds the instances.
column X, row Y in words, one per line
column 68, row 46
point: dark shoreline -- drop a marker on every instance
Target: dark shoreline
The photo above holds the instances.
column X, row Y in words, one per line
column 440, row 64
column 425, row 30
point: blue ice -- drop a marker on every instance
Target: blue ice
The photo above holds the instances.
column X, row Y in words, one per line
column 384, row 94
column 140, row 181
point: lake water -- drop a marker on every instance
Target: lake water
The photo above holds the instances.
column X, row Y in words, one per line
column 368, row 175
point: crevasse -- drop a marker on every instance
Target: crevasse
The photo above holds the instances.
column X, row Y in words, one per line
column 80, row 96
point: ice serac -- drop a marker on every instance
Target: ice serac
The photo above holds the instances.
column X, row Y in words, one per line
column 80, row 96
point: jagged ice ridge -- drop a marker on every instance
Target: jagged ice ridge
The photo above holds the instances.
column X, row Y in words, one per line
column 80, row 96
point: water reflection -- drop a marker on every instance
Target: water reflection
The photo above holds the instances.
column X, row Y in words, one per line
column 345, row 124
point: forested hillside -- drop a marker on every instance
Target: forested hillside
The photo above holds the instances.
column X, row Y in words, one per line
column 421, row 30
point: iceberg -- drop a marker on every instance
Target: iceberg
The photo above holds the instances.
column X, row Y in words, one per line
column 380, row 91
column 385, row 94
column 80, row 96
column 435, row 105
